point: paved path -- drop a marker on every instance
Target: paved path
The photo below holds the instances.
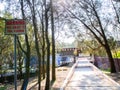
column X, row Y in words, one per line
column 87, row 77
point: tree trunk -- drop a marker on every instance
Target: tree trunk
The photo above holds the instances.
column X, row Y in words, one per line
column 112, row 64
column 43, row 47
column 34, row 20
column 47, row 86
column 53, row 43
column 27, row 53
column 43, row 63
column 27, row 64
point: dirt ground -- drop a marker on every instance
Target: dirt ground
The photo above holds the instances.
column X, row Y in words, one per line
column 114, row 76
column 61, row 74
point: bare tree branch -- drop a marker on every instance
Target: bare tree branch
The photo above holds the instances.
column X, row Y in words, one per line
column 117, row 15
column 87, row 27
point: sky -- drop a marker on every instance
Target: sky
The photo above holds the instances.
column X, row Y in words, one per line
column 64, row 35
column 63, row 38
column 2, row 5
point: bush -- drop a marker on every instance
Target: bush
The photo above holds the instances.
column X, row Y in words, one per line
column 116, row 55
column 2, row 88
column 11, row 78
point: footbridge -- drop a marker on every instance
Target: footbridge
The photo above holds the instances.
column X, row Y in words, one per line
column 85, row 76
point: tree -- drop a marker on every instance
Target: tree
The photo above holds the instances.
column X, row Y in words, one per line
column 47, row 86
column 27, row 52
column 116, row 9
column 31, row 11
column 43, row 44
column 116, row 6
column 6, row 44
column 112, row 43
column 53, row 42
column 89, row 16
column 20, row 62
column 35, row 26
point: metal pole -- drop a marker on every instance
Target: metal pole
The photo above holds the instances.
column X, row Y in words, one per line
column 15, row 63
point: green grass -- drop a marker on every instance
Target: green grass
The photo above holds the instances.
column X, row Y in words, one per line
column 2, row 88
column 105, row 71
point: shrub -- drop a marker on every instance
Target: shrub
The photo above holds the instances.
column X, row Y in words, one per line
column 116, row 55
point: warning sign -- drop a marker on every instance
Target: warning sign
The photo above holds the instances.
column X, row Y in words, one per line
column 15, row 26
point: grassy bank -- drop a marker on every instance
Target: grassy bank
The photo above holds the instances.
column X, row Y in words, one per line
column 106, row 71
column 2, row 87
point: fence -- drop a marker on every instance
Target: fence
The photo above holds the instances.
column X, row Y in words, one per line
column 103, row 63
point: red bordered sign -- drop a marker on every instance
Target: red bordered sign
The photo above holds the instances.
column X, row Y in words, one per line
column 15, row 26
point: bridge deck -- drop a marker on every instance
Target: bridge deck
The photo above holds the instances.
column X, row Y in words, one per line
column 87, row 77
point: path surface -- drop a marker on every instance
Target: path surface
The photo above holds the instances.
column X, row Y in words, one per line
column 87, row 77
